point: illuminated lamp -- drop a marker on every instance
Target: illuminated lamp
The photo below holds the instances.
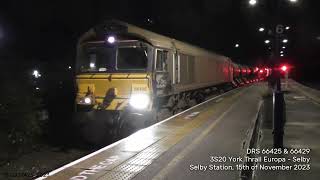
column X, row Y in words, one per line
column 111, row 39
column 284, row 68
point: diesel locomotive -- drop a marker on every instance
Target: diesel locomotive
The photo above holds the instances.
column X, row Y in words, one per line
column 129, row 75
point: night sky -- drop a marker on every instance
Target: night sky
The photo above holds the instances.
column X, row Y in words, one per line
column 44, row 31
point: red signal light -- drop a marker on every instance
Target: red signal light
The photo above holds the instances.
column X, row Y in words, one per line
column 284, row 68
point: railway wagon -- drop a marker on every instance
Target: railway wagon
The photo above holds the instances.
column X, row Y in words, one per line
column 129, row 74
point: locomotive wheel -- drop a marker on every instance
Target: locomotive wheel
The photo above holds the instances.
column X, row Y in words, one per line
column 200, row 98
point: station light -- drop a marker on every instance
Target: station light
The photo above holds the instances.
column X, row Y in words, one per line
column 261, row 29
column 92, row 65
column 293, row 1
column 288, row 27
column 252, row 2
column 36, row 74
column 267, row 41
column 281, row 55
column 237, row 45
column 261, row 71
column 285, row 40
column 283, row 47
column 149, row 20
column 281, row 52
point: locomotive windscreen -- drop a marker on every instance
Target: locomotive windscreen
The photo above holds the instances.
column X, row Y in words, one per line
column 132, row 58
column 101, row 58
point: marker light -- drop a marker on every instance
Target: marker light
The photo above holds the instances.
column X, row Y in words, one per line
column 92, row 65
column 111, row 39
column 87, row 100
column 139, row 101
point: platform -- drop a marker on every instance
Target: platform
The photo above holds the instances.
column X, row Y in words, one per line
column 302, row 131
column 179, row 147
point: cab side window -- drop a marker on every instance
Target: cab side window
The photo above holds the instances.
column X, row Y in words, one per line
column 161, row 61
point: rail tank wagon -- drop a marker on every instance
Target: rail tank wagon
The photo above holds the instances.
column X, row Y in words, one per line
column 127, row 76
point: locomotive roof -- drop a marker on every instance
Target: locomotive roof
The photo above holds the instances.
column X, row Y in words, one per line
column 154, row 39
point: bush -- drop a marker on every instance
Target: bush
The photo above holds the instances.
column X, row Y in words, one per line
column 19, row 107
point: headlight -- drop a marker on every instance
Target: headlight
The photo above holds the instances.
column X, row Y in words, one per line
column 139, row 101
column 86, row 100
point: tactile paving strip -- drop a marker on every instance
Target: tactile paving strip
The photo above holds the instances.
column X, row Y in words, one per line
column 117, row 175
column 141, row 162
column 137, row 163
column 129, row 168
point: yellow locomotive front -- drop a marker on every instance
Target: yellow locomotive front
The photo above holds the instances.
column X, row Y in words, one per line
column 114, row 82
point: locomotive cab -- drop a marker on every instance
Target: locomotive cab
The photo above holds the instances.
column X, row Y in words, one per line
column 114, row 76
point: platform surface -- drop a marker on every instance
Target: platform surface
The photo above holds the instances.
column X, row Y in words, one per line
column 179, row 147
column 302, row 131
